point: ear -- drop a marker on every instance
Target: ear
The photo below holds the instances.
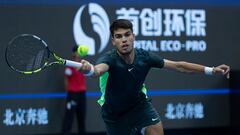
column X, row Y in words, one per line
column 133, row 36
column 113, row 42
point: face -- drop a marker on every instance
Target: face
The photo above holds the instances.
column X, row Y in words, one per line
column 123, row 40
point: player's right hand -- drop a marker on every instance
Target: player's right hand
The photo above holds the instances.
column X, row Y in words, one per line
column 85, row 65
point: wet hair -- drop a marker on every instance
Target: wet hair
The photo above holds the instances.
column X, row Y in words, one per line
column 120, row 23
column 74, row 49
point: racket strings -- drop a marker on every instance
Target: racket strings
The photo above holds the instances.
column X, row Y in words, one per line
column 26, row 53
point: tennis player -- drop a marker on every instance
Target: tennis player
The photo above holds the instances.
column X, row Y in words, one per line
column 126, row 110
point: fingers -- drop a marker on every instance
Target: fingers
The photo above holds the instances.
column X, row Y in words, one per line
column 227, row 71
column 223, row 69
column 218, row 70
column 228, row 75
column 85, row 65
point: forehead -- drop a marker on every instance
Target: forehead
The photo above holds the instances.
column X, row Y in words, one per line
column 121, row 31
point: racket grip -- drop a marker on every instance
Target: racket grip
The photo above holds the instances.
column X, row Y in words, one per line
column 73, row 64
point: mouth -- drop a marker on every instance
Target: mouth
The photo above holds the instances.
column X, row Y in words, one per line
column 125, row 46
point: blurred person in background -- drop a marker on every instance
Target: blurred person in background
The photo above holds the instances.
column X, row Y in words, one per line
column 75, row 85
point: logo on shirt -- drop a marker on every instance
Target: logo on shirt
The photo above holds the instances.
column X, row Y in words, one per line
column 154, row 119
column 98, row 29
column 130, row 69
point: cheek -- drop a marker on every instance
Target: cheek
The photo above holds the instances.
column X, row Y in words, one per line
column 115, row 43
column 132, row 39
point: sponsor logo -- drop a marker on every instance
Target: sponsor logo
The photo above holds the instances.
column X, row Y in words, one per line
column 130, row 69
column 154, row 119
column 99, row 23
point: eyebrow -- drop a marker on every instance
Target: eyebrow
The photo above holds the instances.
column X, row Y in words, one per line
column 123, row 33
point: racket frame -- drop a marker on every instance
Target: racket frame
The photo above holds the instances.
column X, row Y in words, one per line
column 47, row 63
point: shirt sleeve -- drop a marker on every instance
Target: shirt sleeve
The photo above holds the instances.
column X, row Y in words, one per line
column 155, row 60
column 106, row 58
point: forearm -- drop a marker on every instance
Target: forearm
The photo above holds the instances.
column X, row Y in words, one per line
column 93, row 70
column 187, row 67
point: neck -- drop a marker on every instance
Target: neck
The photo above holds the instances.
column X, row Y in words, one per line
column 128, row 57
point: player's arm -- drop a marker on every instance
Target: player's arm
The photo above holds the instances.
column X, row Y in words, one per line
column 100, row 69
column 188, row 67
column 94, row 70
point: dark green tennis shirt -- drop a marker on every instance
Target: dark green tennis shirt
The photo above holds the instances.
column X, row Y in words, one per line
column 123, row 85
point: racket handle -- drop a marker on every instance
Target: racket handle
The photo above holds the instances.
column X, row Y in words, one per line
column 73, row 64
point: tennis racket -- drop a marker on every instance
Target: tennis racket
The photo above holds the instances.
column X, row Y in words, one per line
column 28, row 54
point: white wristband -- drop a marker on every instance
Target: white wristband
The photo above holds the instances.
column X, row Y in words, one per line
column 208, row 70
column 91, row 72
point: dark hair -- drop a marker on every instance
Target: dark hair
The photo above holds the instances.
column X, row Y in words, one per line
column 120, row 23
column 74, row 49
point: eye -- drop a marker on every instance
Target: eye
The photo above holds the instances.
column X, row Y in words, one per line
column 128, row 34
column 118, row 36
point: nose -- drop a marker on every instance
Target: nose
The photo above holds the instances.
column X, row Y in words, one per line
column 124, row 38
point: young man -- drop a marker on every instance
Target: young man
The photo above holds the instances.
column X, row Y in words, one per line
column 125, row 108
column 75, row 85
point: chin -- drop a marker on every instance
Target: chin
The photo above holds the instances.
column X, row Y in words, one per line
column 125, row 52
